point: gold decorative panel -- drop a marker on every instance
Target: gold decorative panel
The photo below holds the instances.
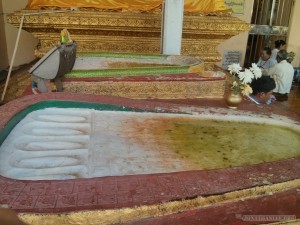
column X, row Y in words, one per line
column 147, row 90
column 134, row 32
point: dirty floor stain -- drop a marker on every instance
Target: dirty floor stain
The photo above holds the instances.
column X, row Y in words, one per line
column 209, row 144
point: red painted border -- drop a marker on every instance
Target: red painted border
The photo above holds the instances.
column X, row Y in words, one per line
column 235, row 213
column 129, row 191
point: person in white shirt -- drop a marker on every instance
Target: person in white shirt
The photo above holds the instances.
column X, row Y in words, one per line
column 279, row 45
column 283, row 74
column 265, row 61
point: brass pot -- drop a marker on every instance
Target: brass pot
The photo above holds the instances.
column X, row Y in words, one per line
column 233, row 100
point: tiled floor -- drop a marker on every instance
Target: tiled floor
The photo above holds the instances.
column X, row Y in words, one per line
column 117, row 192
column 293, row 102
column 130, row 191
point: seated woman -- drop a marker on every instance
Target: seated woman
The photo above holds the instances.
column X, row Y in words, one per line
column 262, row 89
column 279, row 45
column 265, row 61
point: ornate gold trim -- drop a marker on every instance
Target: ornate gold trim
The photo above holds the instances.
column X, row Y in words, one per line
column 154, row 90
column 136, row 21
column 130, row 31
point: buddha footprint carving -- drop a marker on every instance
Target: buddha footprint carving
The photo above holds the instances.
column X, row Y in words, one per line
column 49, row 144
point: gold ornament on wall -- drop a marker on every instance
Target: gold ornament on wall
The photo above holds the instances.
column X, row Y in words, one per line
column 104, row 31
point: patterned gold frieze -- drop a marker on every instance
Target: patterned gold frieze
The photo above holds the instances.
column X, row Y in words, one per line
column 141, row 45
column 138, row 21
column 130, row 31
column 146, row 90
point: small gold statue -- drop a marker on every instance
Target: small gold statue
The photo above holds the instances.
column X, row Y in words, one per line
column 65, row 37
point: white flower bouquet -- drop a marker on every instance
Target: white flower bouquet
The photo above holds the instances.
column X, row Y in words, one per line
column 242, row 79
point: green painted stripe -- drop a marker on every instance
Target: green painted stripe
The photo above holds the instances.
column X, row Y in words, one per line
column 128, row 72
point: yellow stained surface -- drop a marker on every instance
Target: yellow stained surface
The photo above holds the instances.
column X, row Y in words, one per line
column 117, row 65
column 136, row 5
column 209, row 144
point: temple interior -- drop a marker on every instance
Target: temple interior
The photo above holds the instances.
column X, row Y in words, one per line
column 149, row 112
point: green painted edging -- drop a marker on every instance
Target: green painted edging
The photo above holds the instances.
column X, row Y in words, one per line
column 128, row 72
column 59, row 104
column 119, row 72
column 122, row 55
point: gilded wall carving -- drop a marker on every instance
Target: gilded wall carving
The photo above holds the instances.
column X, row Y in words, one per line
column 130, row 31
column 146, row 90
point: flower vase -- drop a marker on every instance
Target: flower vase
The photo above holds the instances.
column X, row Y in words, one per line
column 233, row 99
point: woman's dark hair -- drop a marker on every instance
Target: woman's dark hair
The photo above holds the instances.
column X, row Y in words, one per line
column 262, row 84
column 278, row 43
column 267, row 50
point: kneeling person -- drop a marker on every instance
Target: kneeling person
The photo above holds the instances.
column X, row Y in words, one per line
column 262, row 89
column 283, row 74
column 54, row 65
